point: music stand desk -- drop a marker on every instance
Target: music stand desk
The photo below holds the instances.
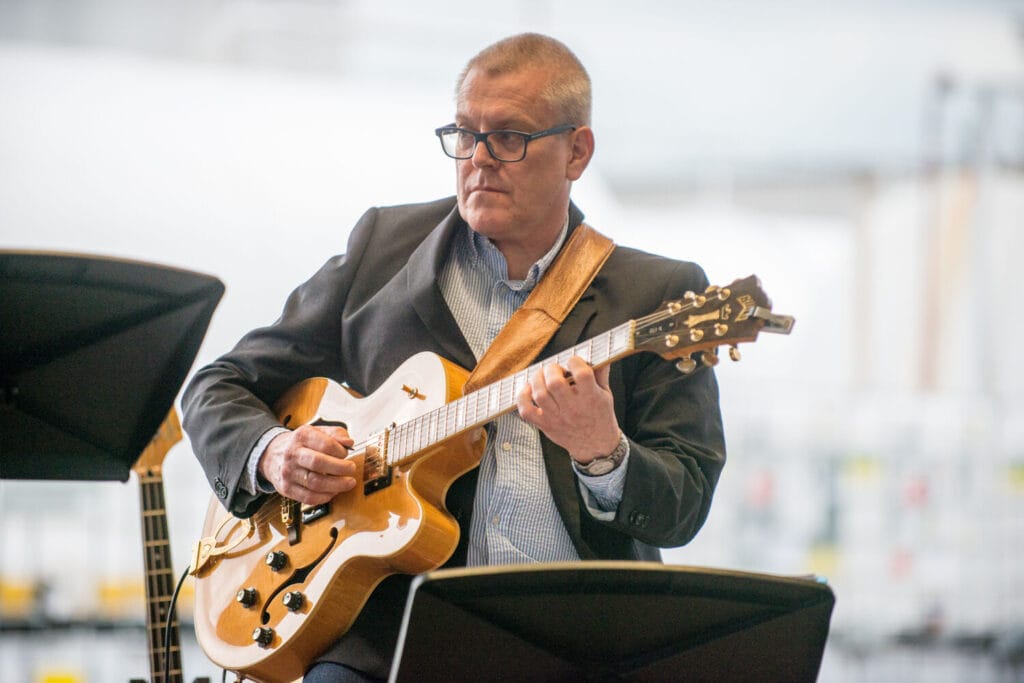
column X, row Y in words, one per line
column 93, row 351
column 598, row 621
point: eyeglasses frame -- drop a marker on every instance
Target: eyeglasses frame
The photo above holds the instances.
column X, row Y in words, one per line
column 483, row 137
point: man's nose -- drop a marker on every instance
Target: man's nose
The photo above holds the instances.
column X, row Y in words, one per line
column 482, row 155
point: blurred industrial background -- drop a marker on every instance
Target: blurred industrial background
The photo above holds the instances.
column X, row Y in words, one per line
column 864, row 158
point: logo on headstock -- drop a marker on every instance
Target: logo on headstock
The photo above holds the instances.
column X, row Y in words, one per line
column 747, row 304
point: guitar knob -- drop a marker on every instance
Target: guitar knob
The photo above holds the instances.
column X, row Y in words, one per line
column 276, row 560
column 263, row 636
column 246, row 597
column 294, row 600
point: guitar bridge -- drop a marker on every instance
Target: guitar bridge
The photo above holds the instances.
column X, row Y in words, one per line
column 376, row 472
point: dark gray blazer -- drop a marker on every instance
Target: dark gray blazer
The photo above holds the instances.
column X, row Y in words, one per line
column 364, row 313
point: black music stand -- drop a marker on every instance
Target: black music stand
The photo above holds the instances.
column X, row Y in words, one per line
column 93, row 352
column 603, row 621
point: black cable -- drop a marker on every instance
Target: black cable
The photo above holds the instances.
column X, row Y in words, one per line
column 167, row 626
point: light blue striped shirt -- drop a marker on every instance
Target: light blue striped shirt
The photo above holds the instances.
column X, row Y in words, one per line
column 514, row 515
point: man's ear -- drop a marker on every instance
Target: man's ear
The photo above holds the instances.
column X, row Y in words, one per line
column 581, row 151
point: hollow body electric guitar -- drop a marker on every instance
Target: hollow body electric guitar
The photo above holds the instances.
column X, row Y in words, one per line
column 275, row 590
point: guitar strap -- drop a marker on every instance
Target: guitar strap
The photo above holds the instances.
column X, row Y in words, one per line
column 531, row 327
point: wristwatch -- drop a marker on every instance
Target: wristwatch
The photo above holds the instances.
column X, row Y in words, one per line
column 606, row 463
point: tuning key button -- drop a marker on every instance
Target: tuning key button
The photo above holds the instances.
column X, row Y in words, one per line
column 246, row 597
column 294, row 600
column 696, row 334
column 721, row 329
column 709, row 358
column 276, row 560
column 686, row 365
column 734, row 353
column 263, row 636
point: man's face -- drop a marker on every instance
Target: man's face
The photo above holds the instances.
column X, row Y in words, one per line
column 524, row 201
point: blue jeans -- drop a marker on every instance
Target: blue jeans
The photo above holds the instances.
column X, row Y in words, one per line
column 328, row 672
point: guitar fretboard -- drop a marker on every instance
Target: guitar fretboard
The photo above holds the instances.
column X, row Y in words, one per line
column 159, row 579
column 480, row 407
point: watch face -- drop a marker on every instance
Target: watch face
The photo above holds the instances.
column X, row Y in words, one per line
column 599, row 466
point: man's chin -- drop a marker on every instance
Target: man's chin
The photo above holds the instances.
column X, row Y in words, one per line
column 487, row 222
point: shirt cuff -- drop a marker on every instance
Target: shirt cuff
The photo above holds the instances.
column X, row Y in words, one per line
column 602, row 494
column 251, row 481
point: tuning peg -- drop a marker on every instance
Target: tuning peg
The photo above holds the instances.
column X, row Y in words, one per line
column 697, row 300
column 709, row 358
column 721, row 293
column 734, row 353
column 686, row 365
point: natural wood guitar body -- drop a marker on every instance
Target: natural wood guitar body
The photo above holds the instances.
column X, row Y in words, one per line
column 340, row 557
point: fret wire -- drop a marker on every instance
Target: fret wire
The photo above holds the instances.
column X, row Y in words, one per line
column 481, row 406
column 492, row 398
column 391, row 436
column 421, row 433
column 506, row 395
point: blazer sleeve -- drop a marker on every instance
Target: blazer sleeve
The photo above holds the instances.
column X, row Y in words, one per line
column 225, row 406
column 677, row 446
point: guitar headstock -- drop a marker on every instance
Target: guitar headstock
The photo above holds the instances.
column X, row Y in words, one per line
column 720, row 316
column 168, row 434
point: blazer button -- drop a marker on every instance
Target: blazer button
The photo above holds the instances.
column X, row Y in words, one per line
column 637, row 518
column 220, row 488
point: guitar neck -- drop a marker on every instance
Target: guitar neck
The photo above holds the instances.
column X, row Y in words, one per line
column 480, row 407
column 696, row 323
column 159, row 579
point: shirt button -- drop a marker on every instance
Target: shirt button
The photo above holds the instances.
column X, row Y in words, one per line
column 506, row 446
column 495, row 520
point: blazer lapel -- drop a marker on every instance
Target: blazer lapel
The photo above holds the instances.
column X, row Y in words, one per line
column 425, row 296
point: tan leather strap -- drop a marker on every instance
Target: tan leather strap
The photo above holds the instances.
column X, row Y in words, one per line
column 531, row 327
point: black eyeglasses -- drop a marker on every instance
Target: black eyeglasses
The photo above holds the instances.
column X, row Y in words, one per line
column 503, row 145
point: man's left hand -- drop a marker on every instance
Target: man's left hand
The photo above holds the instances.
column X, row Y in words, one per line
column 574, row 407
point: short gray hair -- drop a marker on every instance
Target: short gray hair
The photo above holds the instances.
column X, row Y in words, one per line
column 568, row 91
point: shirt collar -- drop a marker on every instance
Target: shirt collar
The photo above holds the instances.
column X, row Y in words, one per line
column 483, row 253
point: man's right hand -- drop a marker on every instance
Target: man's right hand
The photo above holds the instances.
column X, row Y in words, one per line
column 309, row 464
